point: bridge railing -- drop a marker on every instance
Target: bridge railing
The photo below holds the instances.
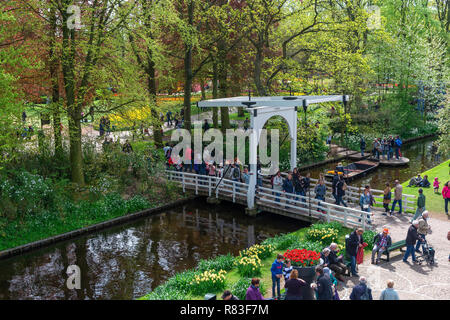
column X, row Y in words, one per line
column 209, row 184
column 319, row 209
column 353, row 194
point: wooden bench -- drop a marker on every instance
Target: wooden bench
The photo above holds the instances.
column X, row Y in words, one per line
column 395, row 246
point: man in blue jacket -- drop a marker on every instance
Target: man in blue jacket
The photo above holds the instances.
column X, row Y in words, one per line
column 277, row 273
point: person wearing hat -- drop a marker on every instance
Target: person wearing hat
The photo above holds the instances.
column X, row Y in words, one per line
column 381, row 242
column 227, row 295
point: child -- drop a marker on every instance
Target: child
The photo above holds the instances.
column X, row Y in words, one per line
column 287, row 269
column 436, row 185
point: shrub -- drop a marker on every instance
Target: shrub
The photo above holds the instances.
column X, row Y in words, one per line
column 222, row 262
column 208, row 281
column 239, row 289
column 281, row 242
column 262, row 251
column 248, row 266
column 368, row 238
column 308, row 245
column 322, row 235
column 165, row 292
column 182, row 281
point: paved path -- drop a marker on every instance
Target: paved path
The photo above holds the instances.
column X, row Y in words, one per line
column 412, row 281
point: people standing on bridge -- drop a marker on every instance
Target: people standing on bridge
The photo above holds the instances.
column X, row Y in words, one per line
column 341, row 186
column 411, row 239
column 355, row 241
column 398, row 192
column 277, row 185
column 306, row 184
column 288, row 187
column 391, row 147
column 236, row 172
column 320, row 190
column 298, row 185
column 362, row 145
column 385, row 146
column 386, row 198
column 246, row 176
column 381, row 242
column 377, row 148
column 446, row 195
column 334, row 183
column 423, row 229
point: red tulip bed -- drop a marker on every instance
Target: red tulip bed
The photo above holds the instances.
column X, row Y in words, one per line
column 302, row 257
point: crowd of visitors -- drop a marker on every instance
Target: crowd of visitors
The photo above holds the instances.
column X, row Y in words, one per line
column 385, row 147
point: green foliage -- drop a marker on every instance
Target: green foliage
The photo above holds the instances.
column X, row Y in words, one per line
column 222, row 262
column 368, row 236
column 182, row 281
column 248, row 266
column 282, row 242
column 308, row 245
column 208, row 281
column 166, row 292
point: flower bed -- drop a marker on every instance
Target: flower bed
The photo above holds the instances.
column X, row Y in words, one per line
column 262, row 251
column 302, row 257
column 208, row 281
column 248, row 266
column 322, row 235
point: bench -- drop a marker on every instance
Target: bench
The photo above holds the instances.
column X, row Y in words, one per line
column 395, row 246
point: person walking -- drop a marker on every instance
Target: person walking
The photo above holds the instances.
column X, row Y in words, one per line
column 381, row 242
column 334, row 183
column 398, row 192
column 386, row 199
column 411, row 238
column 389, row 293
column 341, row 186
column 420, row 205
column 446, row 195
column 423, row 229
column 295, row 286
column 306, row 182
column 323, row 285
column 355, row 241
column 277, row 273
column 365, row 201
column 361, row 291
column 253, row 292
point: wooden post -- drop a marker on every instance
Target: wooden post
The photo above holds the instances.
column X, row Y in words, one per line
column 345, row 217
column 196, row 184
column 184, row 186
column 234, row 190
column 209, row 186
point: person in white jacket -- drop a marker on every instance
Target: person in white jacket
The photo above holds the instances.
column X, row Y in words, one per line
column 278, row 185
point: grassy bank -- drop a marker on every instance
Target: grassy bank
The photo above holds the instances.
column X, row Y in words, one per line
column 183, row 286
column 434, row 202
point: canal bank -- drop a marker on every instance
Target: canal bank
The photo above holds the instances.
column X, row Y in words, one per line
column 129, row 260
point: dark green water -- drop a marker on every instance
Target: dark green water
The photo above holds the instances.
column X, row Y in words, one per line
column 419, row 154
column 128, row 261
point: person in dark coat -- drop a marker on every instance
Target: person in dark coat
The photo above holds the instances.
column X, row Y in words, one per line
column 306, row 182
column 323, row 285
column 354, row 242
column 340, row 192
column 295, row 286
column 361, row 291
column 334, row 183
column 362, row 146
column 288, row 187
column 227, row 295
column 411, row 239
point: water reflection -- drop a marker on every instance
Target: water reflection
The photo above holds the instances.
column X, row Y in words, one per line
column 127, row 261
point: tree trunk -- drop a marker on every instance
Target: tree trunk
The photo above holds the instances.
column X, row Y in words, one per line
column 188, row 74
column 53, row 65
column 215, row 96
column 257, row 72
column 156, row 122
column 223, row 86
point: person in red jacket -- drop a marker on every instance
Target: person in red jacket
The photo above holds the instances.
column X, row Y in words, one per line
column 446, row 195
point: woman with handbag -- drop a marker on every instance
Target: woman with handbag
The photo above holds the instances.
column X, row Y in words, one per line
column 386, row 198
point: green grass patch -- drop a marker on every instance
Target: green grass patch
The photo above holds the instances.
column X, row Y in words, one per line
column 434, row 201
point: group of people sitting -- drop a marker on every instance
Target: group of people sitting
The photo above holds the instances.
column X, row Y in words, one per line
column 420, row 182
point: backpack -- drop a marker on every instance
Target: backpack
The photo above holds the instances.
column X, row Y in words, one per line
column 235, row 173
column 365, row 295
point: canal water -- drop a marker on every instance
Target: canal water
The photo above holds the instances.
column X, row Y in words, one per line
column 419, row 154
column 129, row 260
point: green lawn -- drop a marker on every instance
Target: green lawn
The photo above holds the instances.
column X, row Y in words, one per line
column 434, row 202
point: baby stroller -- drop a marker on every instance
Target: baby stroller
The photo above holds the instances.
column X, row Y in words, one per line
column 428, row 253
